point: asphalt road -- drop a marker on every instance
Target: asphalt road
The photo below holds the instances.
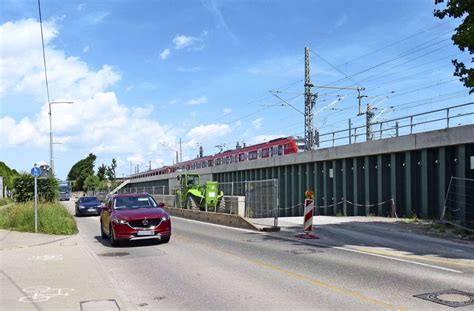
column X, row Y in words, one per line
column 211, row 267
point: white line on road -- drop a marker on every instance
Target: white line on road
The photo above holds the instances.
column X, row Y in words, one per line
column 369, row 254
column 324, row 245
column 215, row 225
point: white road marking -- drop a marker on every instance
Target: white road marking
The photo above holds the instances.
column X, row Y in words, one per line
column 47, row 257
column 369, row 254
column 43, row 293
column 216, row 225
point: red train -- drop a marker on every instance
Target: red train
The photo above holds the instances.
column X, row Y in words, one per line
column 272, row 148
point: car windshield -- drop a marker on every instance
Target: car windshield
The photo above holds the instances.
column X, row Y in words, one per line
column 134, row 202
column 89, row 200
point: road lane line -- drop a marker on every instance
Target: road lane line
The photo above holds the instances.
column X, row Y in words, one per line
column 216, row 225
column 366, row 253
column 340, row 290
column 387, row 253
column 386, row 256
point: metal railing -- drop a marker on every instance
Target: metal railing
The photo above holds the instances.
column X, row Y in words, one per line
column 438, row 119
column 154, row 190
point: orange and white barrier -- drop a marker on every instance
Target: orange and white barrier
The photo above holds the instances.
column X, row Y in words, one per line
column 308, row 217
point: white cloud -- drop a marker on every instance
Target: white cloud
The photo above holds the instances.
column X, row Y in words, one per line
column 182, row 41
column 164, row 55
column 86, row 49
column 209, row 132
column 96, row 122
column 227, row 110
column 257, row 123
column 196, row 101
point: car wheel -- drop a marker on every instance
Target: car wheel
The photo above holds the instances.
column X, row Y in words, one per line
column 165, row 239
column 77, row 213
column 113, row 241
column 102, row 233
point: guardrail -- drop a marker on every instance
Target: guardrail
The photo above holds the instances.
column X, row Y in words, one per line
column 397, row 127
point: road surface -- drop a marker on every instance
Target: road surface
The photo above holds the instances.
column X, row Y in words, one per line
column 212, row 267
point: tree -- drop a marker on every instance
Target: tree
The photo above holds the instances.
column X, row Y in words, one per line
column 111, row 170
column 81, row 170
column 8, row 175
column 464, row 36
column 101, row 171
column 91, row 183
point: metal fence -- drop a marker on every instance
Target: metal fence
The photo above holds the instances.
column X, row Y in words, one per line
column 420, row 122
column 261, row 197
column 155, row 190
column 458, row 207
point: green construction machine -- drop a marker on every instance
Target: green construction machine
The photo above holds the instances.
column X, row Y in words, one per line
column 192, row 195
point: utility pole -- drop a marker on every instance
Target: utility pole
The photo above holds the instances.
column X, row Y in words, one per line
column 309, row 100
column 180, row 151
column 149, row 165
column 369, row 115
column 177, row 157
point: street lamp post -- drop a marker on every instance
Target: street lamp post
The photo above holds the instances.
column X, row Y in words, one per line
column 51, row 157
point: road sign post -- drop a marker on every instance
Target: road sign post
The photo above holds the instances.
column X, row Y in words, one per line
column 36, row 172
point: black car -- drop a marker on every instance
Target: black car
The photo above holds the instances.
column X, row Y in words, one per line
column 88, row 206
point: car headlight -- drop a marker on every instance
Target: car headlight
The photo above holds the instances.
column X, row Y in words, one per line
column 82, row 206
column 119, row 221
column 165, row 218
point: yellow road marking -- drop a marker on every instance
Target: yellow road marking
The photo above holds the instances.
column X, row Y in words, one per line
column 313, row 281
column 388, row 253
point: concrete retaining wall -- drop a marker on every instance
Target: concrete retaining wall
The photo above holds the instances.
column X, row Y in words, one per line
column 215, row 218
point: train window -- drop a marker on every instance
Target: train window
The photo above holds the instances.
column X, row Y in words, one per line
column 231, row 159
column 265, row 153
column 241, row 157
column 227, row 160
column 198, row 165
column 253, row 155
column 218, row 161
column 204, row 164
column 280, row 149
column 210, row 163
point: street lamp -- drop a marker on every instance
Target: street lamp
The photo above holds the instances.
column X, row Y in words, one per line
column 51, row 160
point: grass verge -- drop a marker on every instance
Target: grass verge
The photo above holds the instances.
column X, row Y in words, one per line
column 5, row 201
column 53, row 218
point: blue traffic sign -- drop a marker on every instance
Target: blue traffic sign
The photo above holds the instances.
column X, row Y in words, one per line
column 36, row 171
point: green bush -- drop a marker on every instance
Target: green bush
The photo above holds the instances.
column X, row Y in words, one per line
column 53, row 218
column 24, row 187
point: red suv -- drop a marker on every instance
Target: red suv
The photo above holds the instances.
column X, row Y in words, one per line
column 130, row 217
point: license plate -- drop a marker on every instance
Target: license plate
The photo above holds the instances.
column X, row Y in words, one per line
column 92, row 210
column 145, row 233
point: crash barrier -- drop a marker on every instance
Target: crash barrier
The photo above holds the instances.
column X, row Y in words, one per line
column 458, row 208
column 215, row 218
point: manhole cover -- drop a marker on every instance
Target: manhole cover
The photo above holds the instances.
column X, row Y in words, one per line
column 115, row 254
column 100, row 305
column 451, row 298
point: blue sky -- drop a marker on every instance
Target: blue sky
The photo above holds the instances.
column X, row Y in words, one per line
column 143, row 74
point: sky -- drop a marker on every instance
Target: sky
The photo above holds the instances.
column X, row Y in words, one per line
column 143, row 75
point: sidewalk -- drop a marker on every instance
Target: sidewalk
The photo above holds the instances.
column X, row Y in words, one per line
column 52, row 272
